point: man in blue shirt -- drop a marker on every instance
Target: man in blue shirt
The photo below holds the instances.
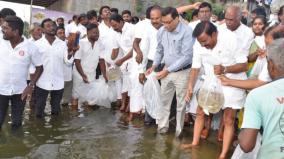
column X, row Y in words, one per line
column 175, row 46
column 264, row 108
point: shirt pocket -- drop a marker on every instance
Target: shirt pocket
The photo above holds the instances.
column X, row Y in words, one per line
column 177, row 45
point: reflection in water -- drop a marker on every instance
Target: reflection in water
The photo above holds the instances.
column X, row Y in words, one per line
column 101, row 133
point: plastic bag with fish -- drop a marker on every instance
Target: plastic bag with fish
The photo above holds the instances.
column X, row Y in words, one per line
column 210, row 96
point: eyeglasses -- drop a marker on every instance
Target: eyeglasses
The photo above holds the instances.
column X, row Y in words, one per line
column 168, row 22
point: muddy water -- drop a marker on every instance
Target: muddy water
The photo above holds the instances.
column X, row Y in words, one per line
column 100, row 133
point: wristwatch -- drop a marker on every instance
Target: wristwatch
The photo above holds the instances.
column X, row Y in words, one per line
column 32, row 85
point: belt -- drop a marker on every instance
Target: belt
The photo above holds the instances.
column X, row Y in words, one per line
column 184, row 68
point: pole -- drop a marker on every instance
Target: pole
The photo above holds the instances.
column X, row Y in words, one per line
column 31, row 8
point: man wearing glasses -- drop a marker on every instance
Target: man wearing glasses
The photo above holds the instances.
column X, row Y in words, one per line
column 175, row 45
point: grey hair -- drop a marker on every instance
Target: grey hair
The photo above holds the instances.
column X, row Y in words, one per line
column 275, row 53
column 236, row 8
column 33, row 26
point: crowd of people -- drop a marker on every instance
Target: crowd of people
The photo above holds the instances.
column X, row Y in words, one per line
column 103, row 58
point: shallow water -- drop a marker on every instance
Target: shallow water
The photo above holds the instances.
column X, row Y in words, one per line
column 100, row 133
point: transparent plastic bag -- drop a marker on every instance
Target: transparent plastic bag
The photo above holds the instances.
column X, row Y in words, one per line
column 112, row 93
column 210, row 96
column 113, row 73
column 257, row 67
column 97, row 93
column 152, row 96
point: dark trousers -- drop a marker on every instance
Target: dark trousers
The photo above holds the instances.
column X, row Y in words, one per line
column 17, row 109
column 41, row 97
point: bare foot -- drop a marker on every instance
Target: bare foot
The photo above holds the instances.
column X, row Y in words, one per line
column 130, row 117
column 122, row 108
column 220, row 136
column 204, row 134
column 127, row 110
column 118, row 103
column 188, row 146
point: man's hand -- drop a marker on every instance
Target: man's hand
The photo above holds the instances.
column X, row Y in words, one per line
column 150, row 70
column 142, row 78
column 105, row 77
column 72, row 50
column 261, row 53
column 196, row 5
column 189, row 93
column 218, row 69
column 139, row 57
column 162, row 74
column 27, row 94
column 119, row 62
column 85, row 78
column 225, row 81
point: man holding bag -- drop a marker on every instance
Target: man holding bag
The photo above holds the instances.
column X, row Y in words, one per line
column 218, row 56
column 175, row 46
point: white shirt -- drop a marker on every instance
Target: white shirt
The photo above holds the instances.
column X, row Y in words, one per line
column 264, row 74
column 142, row 31
column 32, row 67
column 83, row 31
column 71, row 28
column 260, row 41
column 89, row 56
column 54, row 57
column 124, row 41
column 244, row 35
column 107, row 38
column 223, row 53
column 193, row 24
column 14, row 66
column 67, row 70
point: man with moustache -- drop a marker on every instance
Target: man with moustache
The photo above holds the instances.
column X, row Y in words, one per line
column 54, row 55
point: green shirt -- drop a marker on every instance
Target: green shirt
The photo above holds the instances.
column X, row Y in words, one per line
column 264, row 107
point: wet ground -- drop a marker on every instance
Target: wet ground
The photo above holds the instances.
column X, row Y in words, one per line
column 97, row 133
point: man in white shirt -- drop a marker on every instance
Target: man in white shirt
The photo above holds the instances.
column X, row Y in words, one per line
column 244, row 34
column 123, row 40
column 3, row 13
column 54, row 55
column 86, row 60
column 72, row 27
column 145, row 45
column 218, row 56
column 126, row 15
column 92, row 17
column 107, row 38
column 36, row 33
column 66, row 99
column 16, row 55
column 272, row 33
column 83, row 21
column 204, row 14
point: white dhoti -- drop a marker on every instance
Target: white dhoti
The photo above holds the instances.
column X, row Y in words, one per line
column 136, row 90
